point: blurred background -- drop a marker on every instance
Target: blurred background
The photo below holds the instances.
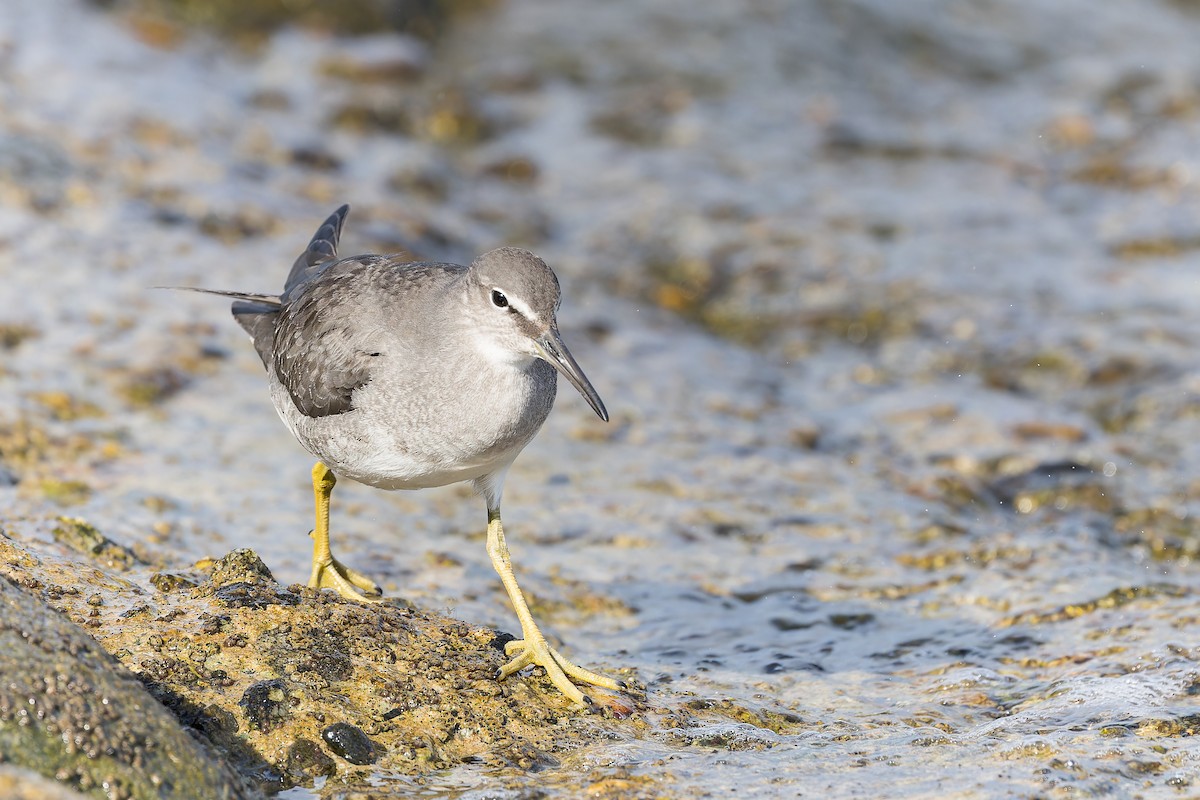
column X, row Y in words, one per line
column 894, row 305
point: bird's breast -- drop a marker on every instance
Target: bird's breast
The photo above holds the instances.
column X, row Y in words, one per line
column 411, row 427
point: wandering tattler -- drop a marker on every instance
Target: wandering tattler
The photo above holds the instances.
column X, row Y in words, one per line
column 410, row 375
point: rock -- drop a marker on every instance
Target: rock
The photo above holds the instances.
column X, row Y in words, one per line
column 69, row 711
column 81, row 535
column 22, row 784
column 241, row 566
column 350, row 743
column 171, row 581
column 292, row 684
column 265, row 704
column 306, row 762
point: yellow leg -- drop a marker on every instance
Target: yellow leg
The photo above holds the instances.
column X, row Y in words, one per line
column 532, row 648
column 327, row 571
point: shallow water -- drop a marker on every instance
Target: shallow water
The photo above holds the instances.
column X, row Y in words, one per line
column 893, row 307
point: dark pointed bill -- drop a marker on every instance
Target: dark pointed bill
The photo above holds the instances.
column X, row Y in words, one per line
column 556, row 353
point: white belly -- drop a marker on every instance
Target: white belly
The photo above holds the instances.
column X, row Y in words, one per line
column 392, row 442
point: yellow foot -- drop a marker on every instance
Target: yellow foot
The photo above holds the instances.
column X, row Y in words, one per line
column 349, row 583
column 559, row 670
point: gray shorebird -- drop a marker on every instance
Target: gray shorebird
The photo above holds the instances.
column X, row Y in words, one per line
column 410, row 375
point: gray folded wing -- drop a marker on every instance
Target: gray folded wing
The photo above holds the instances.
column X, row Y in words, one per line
column 330, row 337
column 319, row 354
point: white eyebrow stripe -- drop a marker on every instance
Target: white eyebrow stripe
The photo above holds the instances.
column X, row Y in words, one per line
column 522, row 309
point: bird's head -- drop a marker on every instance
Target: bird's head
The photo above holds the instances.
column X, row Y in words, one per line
column 513, row 297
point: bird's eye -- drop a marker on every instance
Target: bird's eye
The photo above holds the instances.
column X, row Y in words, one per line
column 499, row 299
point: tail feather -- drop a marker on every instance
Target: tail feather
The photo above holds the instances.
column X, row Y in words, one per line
column 321, row 250
column 258, row 320
column 271, row 300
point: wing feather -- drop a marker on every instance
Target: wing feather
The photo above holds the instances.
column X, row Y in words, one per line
column 319, row 355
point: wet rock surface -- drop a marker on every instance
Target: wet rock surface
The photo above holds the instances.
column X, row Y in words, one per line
column 22, row 784
column 70, row 712
column 290, row 685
